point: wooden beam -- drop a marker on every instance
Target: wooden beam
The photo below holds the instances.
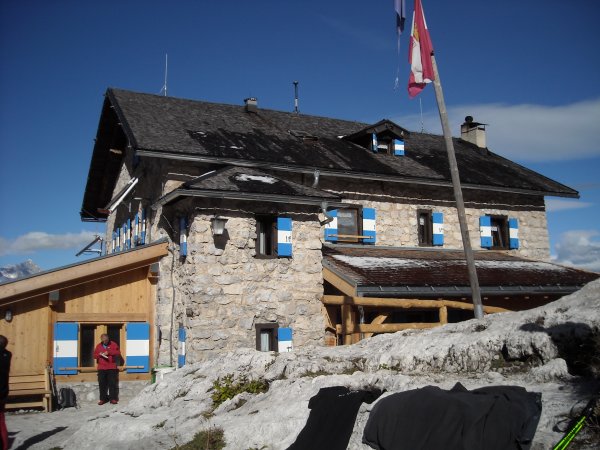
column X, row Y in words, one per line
column 377, row 321
column 393, row 327
column 81, row 273
column 403, row 303
column 328, row 322
column 389, row 327
column 338, row 282
column 102, row 317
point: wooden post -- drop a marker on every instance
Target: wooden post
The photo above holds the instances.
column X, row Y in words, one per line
column 460, row 206
column 347, row 323
column 444, row 315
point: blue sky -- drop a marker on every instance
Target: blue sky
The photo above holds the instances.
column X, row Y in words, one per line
column 528, row 69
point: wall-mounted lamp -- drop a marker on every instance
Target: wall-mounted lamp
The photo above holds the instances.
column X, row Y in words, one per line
column 217, row 224
column 54, row 297
column 8, row 315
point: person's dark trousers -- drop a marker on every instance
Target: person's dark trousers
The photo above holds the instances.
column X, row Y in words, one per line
column 108, row 382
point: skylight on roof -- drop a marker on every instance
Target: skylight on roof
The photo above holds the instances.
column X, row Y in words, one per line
column 262, row 179
column 305, row 136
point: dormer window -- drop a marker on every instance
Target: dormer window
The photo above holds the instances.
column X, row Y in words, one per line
column 384, row 137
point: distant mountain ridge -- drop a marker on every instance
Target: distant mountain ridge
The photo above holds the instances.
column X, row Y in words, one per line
column 13, row 272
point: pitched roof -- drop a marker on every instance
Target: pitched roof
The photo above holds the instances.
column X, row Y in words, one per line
column 177, row 128
column 398, row 271
column 84, row 271
column 251, row 184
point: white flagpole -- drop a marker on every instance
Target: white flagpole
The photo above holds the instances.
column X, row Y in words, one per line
column 460, row 206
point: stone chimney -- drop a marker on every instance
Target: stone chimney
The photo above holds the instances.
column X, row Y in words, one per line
column 473, row 132
column 251, row 104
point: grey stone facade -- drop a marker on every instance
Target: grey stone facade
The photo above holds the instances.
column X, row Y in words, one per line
column 221, row 290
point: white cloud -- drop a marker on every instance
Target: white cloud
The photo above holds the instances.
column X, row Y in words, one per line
column 579, row 248
column 526, row 132
column 39, row 240
column 559, row 204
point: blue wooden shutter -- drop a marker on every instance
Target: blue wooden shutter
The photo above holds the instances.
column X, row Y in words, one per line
column 485, row 230
column 438, row 228
column 284, row 340
column 374, row 143
column 128, row 228
column 136, row 232
column 119, row 239
column 284, row 236
column 181, row 347
column 331, row 227
column 138, row 347
column 65, row 347
column 182, row 236
column 143, row 231
column 114, row 242
column 124, row 240
column 513, row 233
column 369, row 225
column 398, row 147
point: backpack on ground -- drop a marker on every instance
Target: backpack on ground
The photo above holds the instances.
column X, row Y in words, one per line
column 67, row 398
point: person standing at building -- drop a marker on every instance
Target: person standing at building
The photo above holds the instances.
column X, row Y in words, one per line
column 5, row 358
column 107, row 354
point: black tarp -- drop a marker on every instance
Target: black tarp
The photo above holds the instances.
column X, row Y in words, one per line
column 490, row 418
column 331, row 420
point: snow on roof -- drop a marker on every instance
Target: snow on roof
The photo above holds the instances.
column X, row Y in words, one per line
column 371, row 262
column 262, row 179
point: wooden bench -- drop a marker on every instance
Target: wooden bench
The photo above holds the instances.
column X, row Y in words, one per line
column 30, row 391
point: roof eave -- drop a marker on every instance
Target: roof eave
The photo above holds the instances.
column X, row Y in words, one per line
column 462, row 291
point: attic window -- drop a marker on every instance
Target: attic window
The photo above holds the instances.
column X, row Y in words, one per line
column 305, row 136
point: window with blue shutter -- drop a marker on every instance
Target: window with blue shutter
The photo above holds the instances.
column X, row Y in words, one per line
column 513, row 233
column 369, row 226
column 331, row 228
column 284, row 236
column 65, row 348
column 485, row 230
column 374, row 148
column 138, row 347
column 438, row 228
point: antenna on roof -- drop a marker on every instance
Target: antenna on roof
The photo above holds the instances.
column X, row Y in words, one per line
column 164, row 88
column 422, row 125
column 296, row 97
column 88, row 249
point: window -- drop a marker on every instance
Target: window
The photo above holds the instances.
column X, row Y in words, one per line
column 266, row 337
column 347, row 222
column 266, row 232
column 499, row 227
column 425, row 227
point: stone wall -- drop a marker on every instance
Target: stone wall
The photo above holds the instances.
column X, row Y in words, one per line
column 396, row 208
column 221, row 290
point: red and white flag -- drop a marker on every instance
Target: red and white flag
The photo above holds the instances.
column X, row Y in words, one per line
column 419, row 53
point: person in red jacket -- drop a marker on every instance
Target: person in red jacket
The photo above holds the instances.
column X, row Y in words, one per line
column 107, row 354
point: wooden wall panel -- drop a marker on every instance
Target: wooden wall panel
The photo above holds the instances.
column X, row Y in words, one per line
column 124, row 293
column 27, row 334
